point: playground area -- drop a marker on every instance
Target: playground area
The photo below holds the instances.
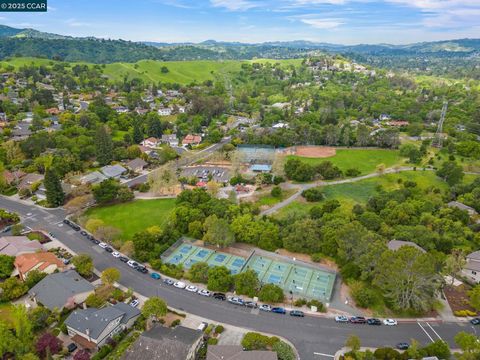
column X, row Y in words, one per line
column 292, row 276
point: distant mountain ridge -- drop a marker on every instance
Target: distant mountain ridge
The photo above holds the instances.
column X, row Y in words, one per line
column 31, row 42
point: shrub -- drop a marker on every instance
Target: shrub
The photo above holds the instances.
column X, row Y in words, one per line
column 317, row 257
column 219, row 329
column 271, row 293
column 386, row 354
column 276, row 192
column 318, row 304
column 300, row 302
column 313, row 194
column 464, row 313
column 212, row 341
column 175, row 322
column 278, row 180
column 284, row 351
column 94, row 301
column 363, row 296
column 352, row 172
column 255, row 341
column 103, row 352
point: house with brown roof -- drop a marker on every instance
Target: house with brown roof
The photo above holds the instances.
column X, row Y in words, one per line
column 236, row 352
column 471, row 270
column 45, row 262
column 136, row 165
column 18, row 245
column 192, row 140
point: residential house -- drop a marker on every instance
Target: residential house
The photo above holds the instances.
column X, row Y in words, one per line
column 165, row 111
column 236, row 352
column 94, row 177
column 113, row 171
column 162, row 343
column 280, row 125
column 471, row 211
column 21, row 131
column 53, row 111
column 394, row 245
column 170, row 139
column 280, row 105
column 398, row 123
column 151, row 142
column 121, row 109
column 60, row 290
column 136, row 165
column 13, row 177
column 45, row 262
column 18, row 245
column 29, row 181
column 471, row 270
column 192, row 140
column 91, row 328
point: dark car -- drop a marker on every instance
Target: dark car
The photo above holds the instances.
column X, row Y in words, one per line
column 108, row 249
column 83, row 232
column 169, row 281
column 402, row 346
column 142, row 269
column 297, row 313
column 95, row 241
column 123, row 259
column 358, row 320
column 90, row 237
column 66, row 221
column 279, row 310
column 71, row 347
column 75, row 227
column 374, row 322
column 475, row 321
column 219, row 296
column 155, row 276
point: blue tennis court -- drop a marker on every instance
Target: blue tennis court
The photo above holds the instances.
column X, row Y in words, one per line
column 203, row 253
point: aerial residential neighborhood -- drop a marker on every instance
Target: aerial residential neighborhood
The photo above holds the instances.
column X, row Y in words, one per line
column 239, row 180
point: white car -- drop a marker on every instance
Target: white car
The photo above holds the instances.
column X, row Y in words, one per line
column 102, row 245
column 191, row 288
column 132, row 263
column 180, row 285
column 116, row 254
column 390, row 322
column 134, row 303
column 265, row 307
column 204, row 292
column 341, row 319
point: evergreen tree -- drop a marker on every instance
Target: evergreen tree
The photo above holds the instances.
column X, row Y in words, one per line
column 54, row 191
column 137, row 132
column 104, row 146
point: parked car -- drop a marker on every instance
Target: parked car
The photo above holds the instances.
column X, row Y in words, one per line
column 297, row 313
column 134, row 303
column 202, row 326
column 475, row 321
column 155, row 276
column 103, row 245
column 265, row 307
column 341, row 319
column 66, row 221
column 279, row 310
column 142, row 269
column 358, row 320
column 204, row 292
column 374, row 322
column 123, row 259
column 168, row 282
column 390, row 322
column 235, row 300
column 71, row 347
column 402, row 346
column 131, row 263
column 83, row 232
column 53, row 237
column 251, row 304
column 180, row 285
column 219, row 296
column 116, row 254
column 191, row 288
column 109, row 249
column 89, row 237
column 95, row 241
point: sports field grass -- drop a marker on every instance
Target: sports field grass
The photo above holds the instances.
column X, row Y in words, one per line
column 134, row 216
column 365, row 160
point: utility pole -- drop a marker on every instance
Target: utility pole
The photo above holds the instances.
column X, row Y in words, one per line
column 438, row 139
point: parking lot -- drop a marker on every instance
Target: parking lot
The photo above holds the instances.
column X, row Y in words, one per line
column 203, row 173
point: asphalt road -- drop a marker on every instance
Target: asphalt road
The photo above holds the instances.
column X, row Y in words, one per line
column 314, row 337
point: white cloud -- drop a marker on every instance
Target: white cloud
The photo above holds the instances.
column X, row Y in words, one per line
column 323, row 23
column 236, row 5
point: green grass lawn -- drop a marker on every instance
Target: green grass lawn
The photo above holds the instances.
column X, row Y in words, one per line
column 134, row 216
column 269, row 200
column 365, row 160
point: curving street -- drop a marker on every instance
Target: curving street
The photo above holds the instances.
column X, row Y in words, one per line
column 314, row 337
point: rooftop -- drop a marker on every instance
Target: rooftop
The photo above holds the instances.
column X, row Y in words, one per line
column 112, row 171
column 397, row 244
column 17, row 245
column 38, row 260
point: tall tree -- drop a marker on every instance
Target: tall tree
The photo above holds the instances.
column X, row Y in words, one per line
column 104, row 146
column 137, row 132
column 218, row 232
column 154, row 307
column 54, row 191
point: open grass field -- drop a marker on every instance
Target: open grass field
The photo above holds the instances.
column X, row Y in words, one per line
column 182, row 72
column 365, row 160
column 134, row 216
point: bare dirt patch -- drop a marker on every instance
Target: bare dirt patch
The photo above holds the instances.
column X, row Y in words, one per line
column 457, row 297
column 315, row 151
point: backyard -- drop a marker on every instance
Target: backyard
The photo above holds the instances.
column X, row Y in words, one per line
column 134, row 216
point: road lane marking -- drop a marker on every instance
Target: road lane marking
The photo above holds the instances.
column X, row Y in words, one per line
column 434, row 331
column 322, row 354
column 425, row 331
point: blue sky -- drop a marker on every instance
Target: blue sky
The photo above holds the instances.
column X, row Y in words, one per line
column 335, row 21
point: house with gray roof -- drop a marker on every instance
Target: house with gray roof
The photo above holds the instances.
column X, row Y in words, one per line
column 59, row 290
column 18, row 245
column 113, row 171
column 471, row 211
column 471, row 270
column 394, row 245
column 236, row 352
column 95, row 177
column 91, row 328
column 136, row 165
column 162, row 343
